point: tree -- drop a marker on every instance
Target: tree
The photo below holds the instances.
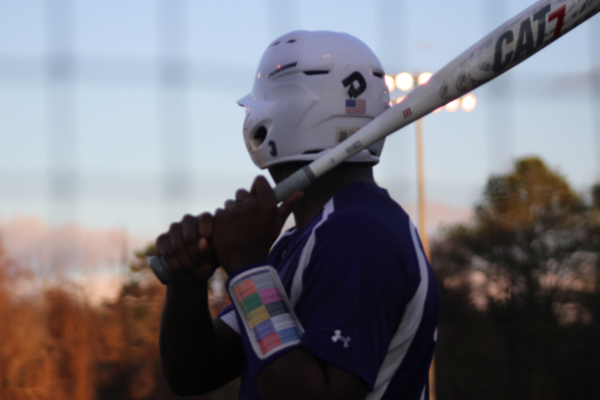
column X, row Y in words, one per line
column 524, row 270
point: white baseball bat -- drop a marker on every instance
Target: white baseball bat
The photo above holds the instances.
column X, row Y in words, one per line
column 508, row 45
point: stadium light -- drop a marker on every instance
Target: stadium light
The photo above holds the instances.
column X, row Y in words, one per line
column 405, row 81
column 389, row 82
column 452, row 106
column 424, row 78
column 468, row 103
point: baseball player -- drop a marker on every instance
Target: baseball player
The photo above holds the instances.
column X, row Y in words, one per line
column 344, row 305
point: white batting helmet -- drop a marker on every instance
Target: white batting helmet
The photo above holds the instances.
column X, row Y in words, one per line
column 311, row 91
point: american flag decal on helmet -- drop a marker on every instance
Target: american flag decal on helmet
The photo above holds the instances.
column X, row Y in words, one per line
column 356, row 106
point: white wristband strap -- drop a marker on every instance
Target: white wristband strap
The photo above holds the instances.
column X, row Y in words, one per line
column 265, row 310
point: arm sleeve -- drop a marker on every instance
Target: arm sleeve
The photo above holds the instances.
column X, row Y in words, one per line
column 354, row 293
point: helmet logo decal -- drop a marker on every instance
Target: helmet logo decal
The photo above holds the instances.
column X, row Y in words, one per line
column 348, row 82
column 282, row 68
column 273, row 147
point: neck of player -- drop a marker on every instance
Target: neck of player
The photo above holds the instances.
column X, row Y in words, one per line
column 320, row 192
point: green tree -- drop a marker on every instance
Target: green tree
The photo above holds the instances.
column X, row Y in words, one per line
column 517, row 280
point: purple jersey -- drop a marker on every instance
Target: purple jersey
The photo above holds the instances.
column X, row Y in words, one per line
column 362, row 288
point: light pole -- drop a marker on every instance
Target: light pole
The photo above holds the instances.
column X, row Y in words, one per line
column 421, row 186
column 405, row 81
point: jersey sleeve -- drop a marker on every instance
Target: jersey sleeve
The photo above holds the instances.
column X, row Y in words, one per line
column 355, row 287
column 229, row 316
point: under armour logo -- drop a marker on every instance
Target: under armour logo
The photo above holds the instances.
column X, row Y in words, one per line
column 338, row 336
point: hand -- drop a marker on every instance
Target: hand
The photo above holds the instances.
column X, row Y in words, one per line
column 187, row 250
column 247, row 228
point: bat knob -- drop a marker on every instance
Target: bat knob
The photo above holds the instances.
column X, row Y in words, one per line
column 161, row 269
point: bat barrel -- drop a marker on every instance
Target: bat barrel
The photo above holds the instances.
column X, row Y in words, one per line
column 297, row 181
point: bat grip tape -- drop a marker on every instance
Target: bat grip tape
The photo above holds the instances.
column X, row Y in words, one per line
column 297, row 181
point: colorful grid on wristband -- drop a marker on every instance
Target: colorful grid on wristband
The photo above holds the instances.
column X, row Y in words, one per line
column 265, row 310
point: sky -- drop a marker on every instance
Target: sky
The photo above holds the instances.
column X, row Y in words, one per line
column 123, row 115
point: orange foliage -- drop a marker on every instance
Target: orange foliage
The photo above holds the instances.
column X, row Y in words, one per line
column 57, row 346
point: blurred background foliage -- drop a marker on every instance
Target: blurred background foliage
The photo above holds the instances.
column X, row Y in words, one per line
column 57, row 346
column 520, row 301
column 520, row 292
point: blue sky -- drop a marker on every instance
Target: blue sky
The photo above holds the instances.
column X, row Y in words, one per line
column 126, row 129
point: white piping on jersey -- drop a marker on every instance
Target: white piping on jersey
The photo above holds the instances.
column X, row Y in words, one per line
column 306, row 253
column 406, row 330
column 283, row 235
column 231, row 319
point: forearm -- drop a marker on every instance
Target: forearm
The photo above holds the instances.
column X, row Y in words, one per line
column 188, row 343
column 300, row 375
